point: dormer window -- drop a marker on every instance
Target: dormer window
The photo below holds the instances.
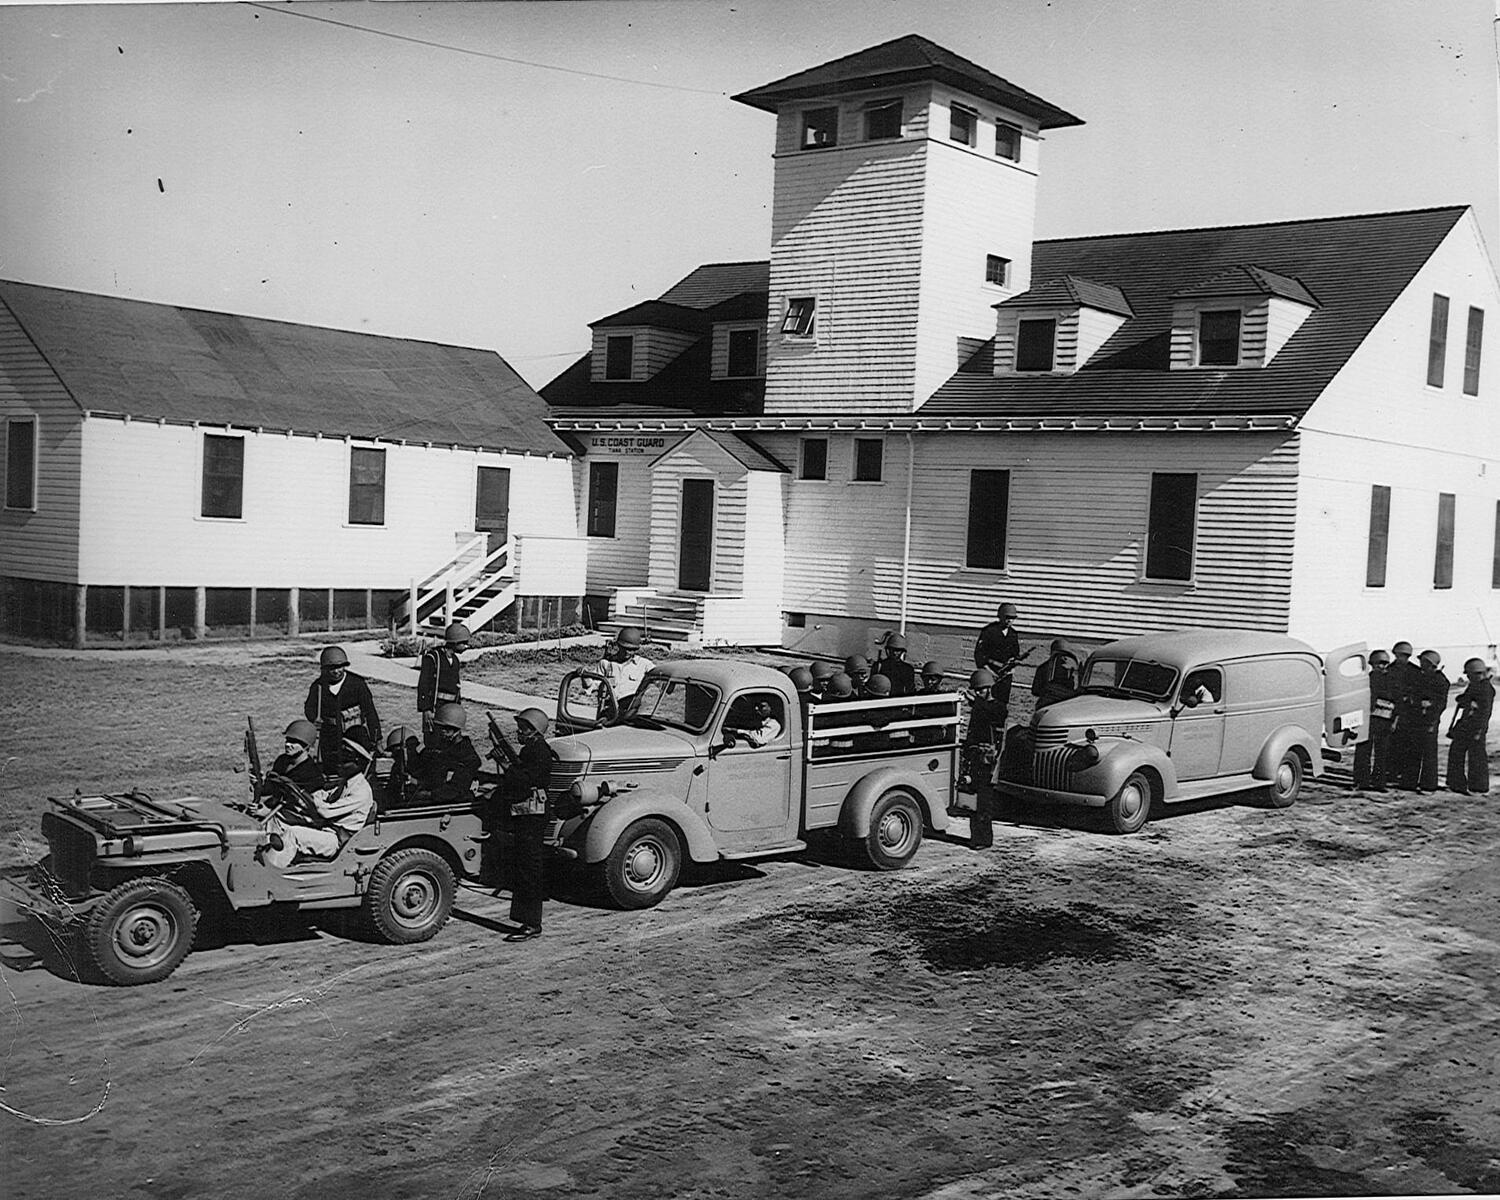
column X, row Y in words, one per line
column 1219, row 338
column 820, row 128
column 1007, row 141
column 963, row 124
column 619, row 356
column 744, row 353
column 799, row 318
column 1035, row 341
column 882, row 120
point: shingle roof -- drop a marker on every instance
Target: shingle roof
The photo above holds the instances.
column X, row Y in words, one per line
column 714, row 283
column 1069, row 290
column 656, row 313
column 159, row 361
column 904, row 60
column 1246, row 279
column 1355, row 266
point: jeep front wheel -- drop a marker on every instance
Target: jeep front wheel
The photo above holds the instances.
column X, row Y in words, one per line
column 1286, row 784
column 895, row 832
column 644, row 865
column 410, row 896
column 140, row 931
column 1129, row 808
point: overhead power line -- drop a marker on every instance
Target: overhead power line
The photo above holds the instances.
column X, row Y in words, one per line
column 521, row 62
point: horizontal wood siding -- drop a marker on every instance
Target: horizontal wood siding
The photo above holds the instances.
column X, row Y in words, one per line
column 142, row 493
column 652, row 350
column 40, row 544
column 1078, row 514
column 698, row 458
column 620, row 561
column 1185, row 332
column 719, row 359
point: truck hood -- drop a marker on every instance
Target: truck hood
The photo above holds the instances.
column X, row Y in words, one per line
column 1098, row 712
column 630, row 746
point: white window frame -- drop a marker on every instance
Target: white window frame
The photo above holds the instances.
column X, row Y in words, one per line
column 807, row 127
column 854, row 461
column 1002, row 123
column 205, row 433
column 804, row 329
column 1005, row 265
column 873, row 106
column 36, row 459
column 1239, row 339
column 1192, row 575
column 954, row 108
column 385, row 486
column 1016, row 358
column 802, row 458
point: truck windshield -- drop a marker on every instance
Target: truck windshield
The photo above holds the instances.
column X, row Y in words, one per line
column 1130, row 677
column 679, row 703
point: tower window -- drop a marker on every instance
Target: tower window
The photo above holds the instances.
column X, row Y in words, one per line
column 820, row 128
column 1008, row 141
column 883, row 120
column 962, row 124
column 996, row 270
column 1034, row 343
column 814, row 458
column 1437, row 341
column 799, row 318
column 1219, row 338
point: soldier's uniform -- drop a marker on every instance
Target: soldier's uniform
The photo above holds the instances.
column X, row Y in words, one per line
column 1056, row 679
column 438, row 682
column 1429, row 697
column 445, row 769
column 981, row 748
column 998, row 647
column 1402, row 751
column 302, row 771
column 525, row 789
column 336, row 709
column 902, row 674
column 1468, row 764
column 1371, row 756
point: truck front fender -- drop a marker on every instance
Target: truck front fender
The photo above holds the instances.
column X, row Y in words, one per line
column 854, row 817
column 1115, row 765
column 1279, row 743
column 610, row 821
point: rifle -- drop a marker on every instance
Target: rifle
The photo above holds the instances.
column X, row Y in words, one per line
column 1011, row 664
column 252, row 751
column 501, row 750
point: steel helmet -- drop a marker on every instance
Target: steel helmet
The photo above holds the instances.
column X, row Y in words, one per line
column 856, row 664
column 302, row 731
column 629, row 637
column 931, row 668
column 1007, row 610
column 1431, row 656
column 822, row 672
column 1401, row 648
column 982, row 678
column 840, row 686
column 396, row 738
column 878, row 685
column 1380, row 656
column 1474, row 664
column 456, row 634
column 801, row 679
column 333, row 656
column 450, row 714
column 535, row 718
column 895, row 641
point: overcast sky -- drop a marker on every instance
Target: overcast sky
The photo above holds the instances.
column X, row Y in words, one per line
column 557, row 162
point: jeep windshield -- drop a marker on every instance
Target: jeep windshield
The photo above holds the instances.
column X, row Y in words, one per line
column 673, row 703
column 1129, row 677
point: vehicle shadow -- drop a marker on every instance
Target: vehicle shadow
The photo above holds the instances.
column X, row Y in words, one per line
column 1093, row 820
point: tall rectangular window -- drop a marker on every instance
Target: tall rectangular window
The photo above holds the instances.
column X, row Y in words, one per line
column 869, row 455
column 1437, row 341
column 962, row 122
column 1034, row 345
column 223, row 476
column 1171, row 525
column 604, row 486
column 20, row 462
column 744, row 353
column 619, row 356
column 1008, row 141
column 1380, row 534
column 989, row 511
column 1442, row 559
column 1219, row 338
column 814, row 458
column 1473, row 344
column 366, row 486
column 820, row 128
column 883, row 120
column 1495, row 563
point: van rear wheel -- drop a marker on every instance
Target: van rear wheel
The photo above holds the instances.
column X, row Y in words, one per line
column 1130, row 807
column 1286, row 784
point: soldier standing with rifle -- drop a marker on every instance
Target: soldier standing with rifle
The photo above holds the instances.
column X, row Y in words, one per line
column 524, row 791
column 981, row 749
column 339, row 701
column 998, row 650
column 440, row 678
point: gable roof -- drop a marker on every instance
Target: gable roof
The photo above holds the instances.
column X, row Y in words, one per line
column 902, row 61
column 740, row 448
column 1356, row 267
column 656, row 313
column 162, row 362
column 1069, row 290
column 1246, row 279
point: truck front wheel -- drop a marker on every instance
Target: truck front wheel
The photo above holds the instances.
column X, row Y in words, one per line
column 644, row 865
column 1129, row 808
column 895, row 832
column 140, row 931
column 410, row 896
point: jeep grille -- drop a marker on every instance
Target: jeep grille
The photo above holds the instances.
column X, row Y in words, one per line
column 72, row 853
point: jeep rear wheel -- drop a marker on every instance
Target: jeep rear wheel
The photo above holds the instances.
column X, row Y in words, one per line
column 1129, row 808
column 410, row 896
column 140, row 931
column 644, row 865
column 895, row 832
column 1286, row 784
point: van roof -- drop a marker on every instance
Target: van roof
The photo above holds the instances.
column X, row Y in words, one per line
column 1183, row 648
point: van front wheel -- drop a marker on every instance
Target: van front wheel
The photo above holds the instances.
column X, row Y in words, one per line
column 1129, row 808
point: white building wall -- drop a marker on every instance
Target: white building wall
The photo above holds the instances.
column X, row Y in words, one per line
column 1380, row 423
column 142, row 494
column 622, row 560
column 699, row 458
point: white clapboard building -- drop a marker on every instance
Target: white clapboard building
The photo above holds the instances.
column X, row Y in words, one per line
column 914, row 410
column 174, row 473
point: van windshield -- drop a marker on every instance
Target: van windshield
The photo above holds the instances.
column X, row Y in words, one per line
column 1128, row 677
column 678, row 703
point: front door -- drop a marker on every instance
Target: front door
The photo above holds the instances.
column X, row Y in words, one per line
column 696, row 552
column 1198, row 728
column 750, row 786
column 492, row 504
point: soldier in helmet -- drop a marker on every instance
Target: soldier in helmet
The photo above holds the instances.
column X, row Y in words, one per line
column 997, row 650
column 319, row 828
column 440, row 680
column 802, row 680
column 1468, row 764
column 623, row 665
column 893, row 665
column 932, row 678
column 446, row 767
column 857, row 667
column 980, row 751
column 525, row 789
column 821, row 673
column 1370, row 756
column 1057, row 678
column 337, row 702
column 1427, row 700
column 1402, row 751
column 296, row 762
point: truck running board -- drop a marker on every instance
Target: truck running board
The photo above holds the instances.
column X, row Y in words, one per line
column 786, row 848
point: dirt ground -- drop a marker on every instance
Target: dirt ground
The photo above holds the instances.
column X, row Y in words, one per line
column 1236, row 1002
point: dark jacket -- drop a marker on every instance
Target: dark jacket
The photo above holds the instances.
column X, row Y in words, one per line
column 1428, row 698
column 1472, row 712
column 304, row 774
column 334, row 715
column 446, row 769
column 439, row 681
column 1056, row 679
column 902, row 674
column 1383, row 695
column 996, row 646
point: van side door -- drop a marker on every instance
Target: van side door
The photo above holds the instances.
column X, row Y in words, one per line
column 1198, row 727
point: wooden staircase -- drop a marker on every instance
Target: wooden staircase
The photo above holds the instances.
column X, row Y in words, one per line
column 673, row 617
column 476, row 585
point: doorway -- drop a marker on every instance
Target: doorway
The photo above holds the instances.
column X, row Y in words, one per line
column 696, row 548
column 492, row 504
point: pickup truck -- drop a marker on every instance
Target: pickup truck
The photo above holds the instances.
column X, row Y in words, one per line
column 1179, row 716
column 679, row 775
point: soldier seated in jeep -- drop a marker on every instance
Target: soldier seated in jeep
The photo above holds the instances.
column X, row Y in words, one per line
column 447, row 766
column 317, row 824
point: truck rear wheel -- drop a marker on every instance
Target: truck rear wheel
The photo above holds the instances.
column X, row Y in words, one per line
column 410, row 896
column 1129, row 808
column 1286, row 784
column 140, row 931
column 895, row 832
column 644, row 865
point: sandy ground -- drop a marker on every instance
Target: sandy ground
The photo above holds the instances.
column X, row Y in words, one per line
column 1238, row 1002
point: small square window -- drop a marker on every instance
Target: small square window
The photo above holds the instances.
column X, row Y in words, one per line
column 996, row 270
column 883, row 120
column 814, row 459
column 744, row 353
column 1008, row 141
column 20, row 462
column 1034, row 344
column 1219, row 338
column 869, row 456
column 820, row 128
column 799, row 319
column 619, row 356
column 962, row 124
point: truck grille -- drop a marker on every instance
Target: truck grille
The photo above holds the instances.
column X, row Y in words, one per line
column 1049, row 768
column 72, row 853
column 1046, row 737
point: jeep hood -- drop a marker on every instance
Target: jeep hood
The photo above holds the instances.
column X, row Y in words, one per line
column 634, row 744
column 1097, row 712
